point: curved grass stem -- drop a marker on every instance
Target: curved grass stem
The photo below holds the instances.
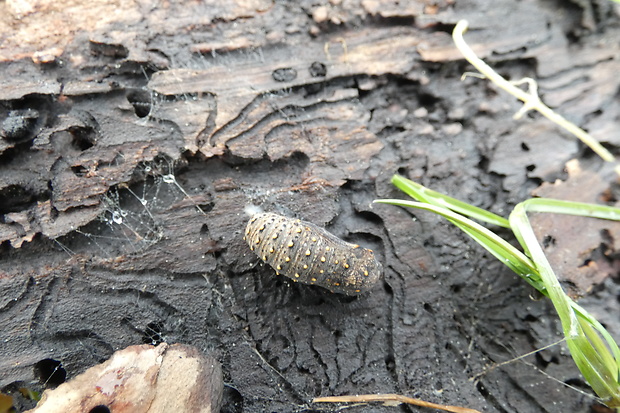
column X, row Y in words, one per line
column 530, row 99
column 593, row 349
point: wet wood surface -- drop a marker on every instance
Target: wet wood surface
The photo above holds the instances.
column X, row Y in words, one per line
column 135, row 135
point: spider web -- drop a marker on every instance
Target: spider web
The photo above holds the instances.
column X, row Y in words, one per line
column 133, row 217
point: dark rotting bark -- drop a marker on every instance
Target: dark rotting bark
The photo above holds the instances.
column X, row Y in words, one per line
column 132, row 146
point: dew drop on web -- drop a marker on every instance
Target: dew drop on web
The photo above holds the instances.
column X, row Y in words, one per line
column 117, row 217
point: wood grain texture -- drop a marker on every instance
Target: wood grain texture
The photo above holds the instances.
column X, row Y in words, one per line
column 133, row 134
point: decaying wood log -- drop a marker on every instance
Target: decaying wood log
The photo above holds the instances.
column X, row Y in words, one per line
column 134, row 135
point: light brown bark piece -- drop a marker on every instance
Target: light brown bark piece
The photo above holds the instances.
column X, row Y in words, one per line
column 143, row 379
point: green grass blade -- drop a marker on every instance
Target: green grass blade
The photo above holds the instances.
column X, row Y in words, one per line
column 557, row 206
column 601, row 348
column 584, row 315
column 594, row 351
column 423, row 194
column 501, row 249
column 593, row 358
